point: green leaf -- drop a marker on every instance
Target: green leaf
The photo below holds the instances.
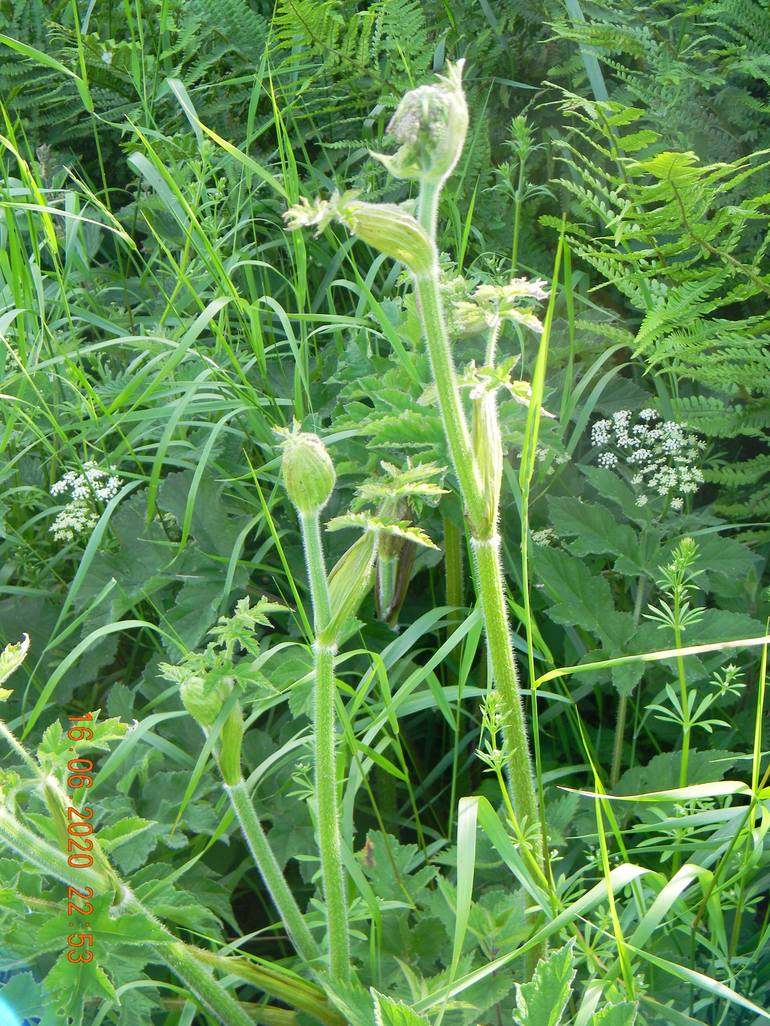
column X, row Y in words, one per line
column 542, row 1001
column 388, row 1012
column 68, row 986
column 583, row 598
column 597, row 530
column 621, row 1014
column 11, row 659
column 23, row 993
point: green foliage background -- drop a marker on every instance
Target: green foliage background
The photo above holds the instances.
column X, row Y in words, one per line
column 156, row 317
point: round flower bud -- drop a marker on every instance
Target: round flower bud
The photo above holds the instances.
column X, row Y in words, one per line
column 430, row 124
column 308, row 472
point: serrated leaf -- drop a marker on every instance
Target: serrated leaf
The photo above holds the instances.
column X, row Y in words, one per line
column 596, row 530
column 24, row 994
column 541, row 1001
column 382, row 525
column 621, row 1014
column 583, row 599
column 388, row 1012
column 67, row 988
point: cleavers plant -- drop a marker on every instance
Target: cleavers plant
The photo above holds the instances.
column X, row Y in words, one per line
column 430, row 124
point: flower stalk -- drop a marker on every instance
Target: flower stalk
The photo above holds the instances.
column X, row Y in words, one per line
column 308, row 475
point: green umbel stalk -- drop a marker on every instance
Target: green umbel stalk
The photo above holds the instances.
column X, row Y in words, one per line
column 327, row 814
column 452, row 413
column 271, row 873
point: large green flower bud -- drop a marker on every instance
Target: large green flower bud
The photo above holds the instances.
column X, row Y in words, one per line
column 308, row 472
column 430, row 125
column 203, row 700
column 384, row 226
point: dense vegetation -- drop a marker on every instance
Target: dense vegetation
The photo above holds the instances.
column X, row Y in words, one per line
column 482, row 289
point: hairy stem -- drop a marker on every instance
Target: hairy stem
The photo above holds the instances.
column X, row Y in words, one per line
column 327, row 814
column 327, row 811
column 450, row 406
column 224, row 1008
column 316, row 570
column 270, row 871
column 486, row 546
column 501, row 658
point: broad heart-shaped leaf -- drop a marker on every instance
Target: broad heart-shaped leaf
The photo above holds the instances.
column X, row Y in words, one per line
column 583, row 599
column 541, row 1001
column 68, row 986
column 388, row 1012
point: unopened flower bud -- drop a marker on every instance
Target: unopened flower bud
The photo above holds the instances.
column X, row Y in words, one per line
column 430, row 125
column 394, row 232
column 203, row 700
column 308, row 472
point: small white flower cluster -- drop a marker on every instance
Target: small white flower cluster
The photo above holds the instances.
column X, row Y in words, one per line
column 80, row 515
column 661, row 455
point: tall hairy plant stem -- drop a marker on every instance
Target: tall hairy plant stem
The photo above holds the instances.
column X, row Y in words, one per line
column 224, row 1008
column 325, row 760
column 485, row 544
column 506, row 678
column 327, row 814
column 270, row 871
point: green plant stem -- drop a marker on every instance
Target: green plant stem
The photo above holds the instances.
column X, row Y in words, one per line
column 452, row 413
column 683, row 697
column 327, row 814
column 270, row 871
column 319, row 587
column 453, row 566
column 517, row 206
column 484, row 535
column 214, row 998
column 427, row 206
column 325, row 761
column 50, row 860
column 500, row 649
